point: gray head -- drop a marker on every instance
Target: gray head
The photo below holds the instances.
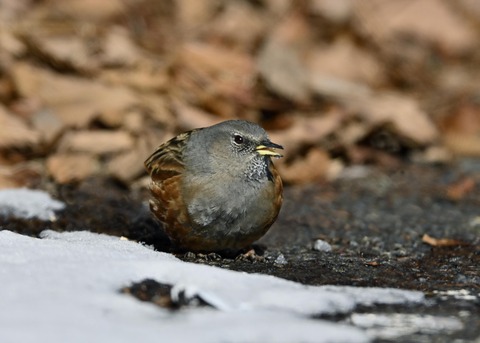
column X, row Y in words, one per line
column 236, row 146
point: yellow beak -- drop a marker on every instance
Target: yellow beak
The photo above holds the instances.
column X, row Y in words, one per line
column 268, row 149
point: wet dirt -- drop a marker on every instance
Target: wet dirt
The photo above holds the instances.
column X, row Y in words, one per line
column 373, row 223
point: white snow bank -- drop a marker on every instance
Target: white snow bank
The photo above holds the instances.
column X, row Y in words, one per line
column 64, row 287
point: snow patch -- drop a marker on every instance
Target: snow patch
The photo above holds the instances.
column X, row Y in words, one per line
column 27, row 203
column 65, row 287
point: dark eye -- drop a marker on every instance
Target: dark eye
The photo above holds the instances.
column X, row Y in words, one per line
column 238, row 139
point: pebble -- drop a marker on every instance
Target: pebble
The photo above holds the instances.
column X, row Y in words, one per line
column 280, row 260
column 320, row 245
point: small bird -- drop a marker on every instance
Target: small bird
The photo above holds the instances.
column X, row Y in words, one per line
column 216, row 188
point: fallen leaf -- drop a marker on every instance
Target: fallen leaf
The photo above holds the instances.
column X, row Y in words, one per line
column 305, row 131
column 14, row 133
column 430, row 20
column 71, row 167
column 217, row 79
column 458, row 190
column 441, row 242
column 316, row 165
column 129, row 165
column 280, row 61
column 401, row 113
column 96, row 141
column 119, row 49
column 239, row 25
column 190, row 117
column 76, row 101
column 335, row 61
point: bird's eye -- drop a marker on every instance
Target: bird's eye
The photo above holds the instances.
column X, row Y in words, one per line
column 238, row 139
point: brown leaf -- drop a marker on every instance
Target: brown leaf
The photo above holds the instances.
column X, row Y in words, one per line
column 335, row 61
column 65, row 51
column 129, row 165
column 67, row 168
column 75, row 101
column 280, row 61
column 305, row 131
column 466, row 145
column 87, row 10
column 431, row 20
column 337, row 11
column 14, row 133
column 402, row 113
column 316, row 165
column 372, row 263
column 119, row 49
column 145, row 78
column 96, row 141
column 48, row 125
column 240, row 25
column 216, row 78
column 190, row 117
column 24, row 174
column 458, row 190
column 441, row 242
column 462, row 130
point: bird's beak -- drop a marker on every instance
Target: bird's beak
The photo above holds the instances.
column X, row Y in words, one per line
column 267, row 148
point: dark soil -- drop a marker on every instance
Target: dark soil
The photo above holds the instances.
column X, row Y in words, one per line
column 374, row 224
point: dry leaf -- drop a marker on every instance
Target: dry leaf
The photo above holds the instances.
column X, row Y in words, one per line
column 129, row 165
column 458, row 190
column 335, row 61
column 67, row 168
column 14, row 133
column 66, row 52
column 462, row 144
column 216, row 78
column 88, row 10
column 96, row 141
column 47, row 124
column 401, row 113
column 462, row 130
column 441, row 242
column 25, row 174
column 305, row 131
column 190, row 117
column 119, row 49
column 431, row 20
column 337, row 11
column 280, row 60
column 239, row 25
column 76, row 101
column 316, row 165
column 144, row 78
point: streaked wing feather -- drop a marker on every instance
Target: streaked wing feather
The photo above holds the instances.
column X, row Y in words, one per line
column 166, row 160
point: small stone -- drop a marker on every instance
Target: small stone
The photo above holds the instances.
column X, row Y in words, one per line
column 320, row 245
column 280, row 260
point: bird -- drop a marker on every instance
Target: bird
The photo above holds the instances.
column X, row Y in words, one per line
column 216, row 188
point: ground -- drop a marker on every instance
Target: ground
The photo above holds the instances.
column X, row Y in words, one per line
column 375, row 224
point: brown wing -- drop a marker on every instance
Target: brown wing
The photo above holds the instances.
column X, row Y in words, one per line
column 165, row 167
column 166, row 161
column 277, row 196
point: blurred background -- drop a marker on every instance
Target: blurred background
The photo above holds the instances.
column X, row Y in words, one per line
column 91, row 87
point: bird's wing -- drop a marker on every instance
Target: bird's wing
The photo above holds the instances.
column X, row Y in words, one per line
column 166, row 160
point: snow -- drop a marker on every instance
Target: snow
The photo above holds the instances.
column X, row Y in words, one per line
column 65, row 287
column 27, row 203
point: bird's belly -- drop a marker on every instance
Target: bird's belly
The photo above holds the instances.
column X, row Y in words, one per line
column 232, row 217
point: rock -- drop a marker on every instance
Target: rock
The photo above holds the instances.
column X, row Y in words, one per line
column 323, row 246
